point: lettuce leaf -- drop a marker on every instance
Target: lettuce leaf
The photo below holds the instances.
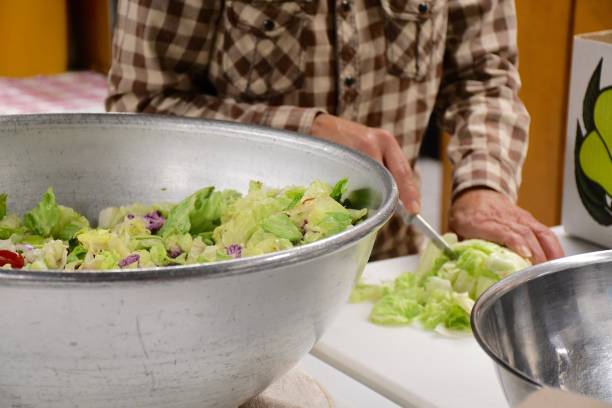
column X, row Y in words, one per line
column 364, row 292
column 159, row 255
column 397, row 308
column 206, row 213
column 281, row 226
column 44, row 216
column 2, row 205
column 48, row 219
column 200, row 212
column 9, row 225
column 69, row 224
column 77, row 254
column 104, row 259
column 23, row 238
column 339, row 189
column 295, row 194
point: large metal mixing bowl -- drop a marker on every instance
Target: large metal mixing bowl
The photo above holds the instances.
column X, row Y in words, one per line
column 551, row 326
column 195, row 336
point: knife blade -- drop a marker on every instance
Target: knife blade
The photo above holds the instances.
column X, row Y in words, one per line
column 419, row 222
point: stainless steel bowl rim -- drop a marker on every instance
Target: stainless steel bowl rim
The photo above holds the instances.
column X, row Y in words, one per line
column 499, row 289
column 222, row 268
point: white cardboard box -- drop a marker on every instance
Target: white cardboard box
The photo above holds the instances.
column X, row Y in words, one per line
column 587, row 189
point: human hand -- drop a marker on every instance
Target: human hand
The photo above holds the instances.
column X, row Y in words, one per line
column 376, row 143
column 487, row 214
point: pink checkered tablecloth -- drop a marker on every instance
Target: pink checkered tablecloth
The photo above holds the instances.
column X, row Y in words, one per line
column 69, row 92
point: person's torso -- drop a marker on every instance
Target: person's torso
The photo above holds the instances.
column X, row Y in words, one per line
column 376, row 62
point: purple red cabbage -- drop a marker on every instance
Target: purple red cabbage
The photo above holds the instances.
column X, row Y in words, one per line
column 234, row 250
column 128, row 260
column 24, row 247
column 174, row 252
column 154, row 221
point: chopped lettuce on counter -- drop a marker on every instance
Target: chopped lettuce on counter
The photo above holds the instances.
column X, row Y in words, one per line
column 440, row 294
column 207, row 226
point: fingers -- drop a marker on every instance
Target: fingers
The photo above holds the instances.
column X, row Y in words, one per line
column 395, row 160
column 487, row 214
column 550, row 243
column 547, row 239
column 528, row 242
column 534, row 242
column 515, row 236
column 490, row 230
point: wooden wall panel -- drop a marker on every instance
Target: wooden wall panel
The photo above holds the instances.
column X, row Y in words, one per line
column 33, row 37
column 447, row 183
column 91, row 34
column 544, row 38
column 592, row 15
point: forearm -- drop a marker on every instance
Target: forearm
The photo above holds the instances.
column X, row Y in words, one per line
column 489, row 143
column 479, row 100
column 190, row 104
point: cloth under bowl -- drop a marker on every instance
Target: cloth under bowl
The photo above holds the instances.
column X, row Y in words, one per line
column 295, row 389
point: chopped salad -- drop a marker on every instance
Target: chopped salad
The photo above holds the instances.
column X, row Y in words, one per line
column 207, row 226
column 440, row 294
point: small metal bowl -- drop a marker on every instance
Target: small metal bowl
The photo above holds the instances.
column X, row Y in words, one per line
column 551, row 326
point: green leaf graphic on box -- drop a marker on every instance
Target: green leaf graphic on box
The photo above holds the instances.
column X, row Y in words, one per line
column 593, row 152
column 590, row 96
column 595, row 161
column 603, row 117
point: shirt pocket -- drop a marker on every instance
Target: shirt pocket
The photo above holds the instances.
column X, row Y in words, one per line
column 410, row 36
column 259, row 52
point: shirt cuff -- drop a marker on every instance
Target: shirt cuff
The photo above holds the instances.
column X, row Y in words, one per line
column 482, row 170
column 291, row 118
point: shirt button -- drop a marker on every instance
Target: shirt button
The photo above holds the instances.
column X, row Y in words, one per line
column 346, row 5
column 423, row 8
column 349, row 81
column 268, row 25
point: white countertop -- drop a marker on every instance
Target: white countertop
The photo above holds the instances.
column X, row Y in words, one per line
column 406, row 365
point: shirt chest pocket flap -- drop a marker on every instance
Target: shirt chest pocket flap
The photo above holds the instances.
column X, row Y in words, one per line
column 409, row 36
column 259, row 48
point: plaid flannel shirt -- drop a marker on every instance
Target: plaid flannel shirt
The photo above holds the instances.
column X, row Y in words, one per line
column 382, row 63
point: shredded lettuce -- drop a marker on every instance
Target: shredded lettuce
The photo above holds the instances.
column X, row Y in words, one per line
column 2, row 206
column 282, row 227
column 44, row 216
column 339, row 190
column 179, row 219
column 363, row 292
column 9, row 225
column 51, row 255
column 69, row 224
column 206, row 226
column 109, row 217
column 440, row 294
column 50, row 220
column 77, row 254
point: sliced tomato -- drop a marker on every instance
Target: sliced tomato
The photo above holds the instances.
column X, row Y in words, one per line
column 12, row 258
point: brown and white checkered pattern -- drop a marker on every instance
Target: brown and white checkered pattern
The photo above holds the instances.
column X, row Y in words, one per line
column 382, row 63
